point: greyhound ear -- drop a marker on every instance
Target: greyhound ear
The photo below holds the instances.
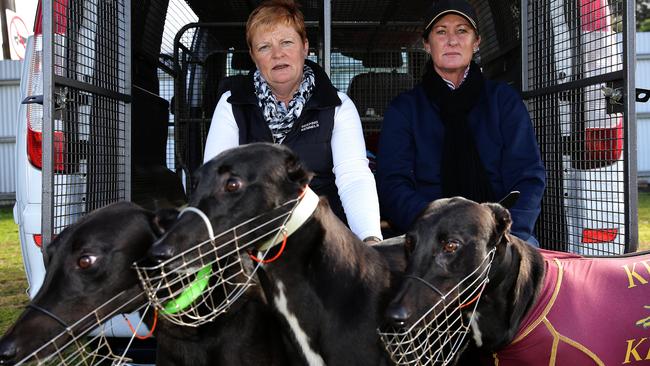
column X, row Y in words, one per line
column 163, row 219
column 503, row 221
column 295, row 170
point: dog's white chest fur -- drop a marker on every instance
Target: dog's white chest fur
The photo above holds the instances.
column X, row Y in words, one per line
column 280, row 300
column 476, row 331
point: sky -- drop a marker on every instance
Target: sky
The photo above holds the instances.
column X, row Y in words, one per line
column 26, row 9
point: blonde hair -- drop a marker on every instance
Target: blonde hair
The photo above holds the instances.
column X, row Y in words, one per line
column 273, row 12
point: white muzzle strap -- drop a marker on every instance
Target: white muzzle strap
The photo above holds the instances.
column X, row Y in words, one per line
column 299, row 215
column 203, row 216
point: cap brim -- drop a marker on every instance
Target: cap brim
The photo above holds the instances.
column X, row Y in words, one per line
column 469, row 19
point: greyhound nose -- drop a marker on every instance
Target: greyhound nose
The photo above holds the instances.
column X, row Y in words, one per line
column 161, row 253
column 397, row 315
column 8, row 351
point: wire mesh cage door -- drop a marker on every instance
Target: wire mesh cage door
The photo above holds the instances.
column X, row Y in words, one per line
column 201, row 63
column 86, row 123
column 576, row 82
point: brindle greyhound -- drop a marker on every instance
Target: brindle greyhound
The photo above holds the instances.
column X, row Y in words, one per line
column 90, row 263
column 539, row 307
column 327, row 286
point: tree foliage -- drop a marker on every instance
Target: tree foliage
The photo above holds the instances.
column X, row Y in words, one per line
column 643, row 15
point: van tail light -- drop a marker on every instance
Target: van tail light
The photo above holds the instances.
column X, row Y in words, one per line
column 60, row 17
column 594, row 16
column 35, row 108
column 603, row 146
column 35, row 149
column 593, row 236
column 38, row 239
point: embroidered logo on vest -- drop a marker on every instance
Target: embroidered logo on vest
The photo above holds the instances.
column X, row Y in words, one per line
column 309, row 126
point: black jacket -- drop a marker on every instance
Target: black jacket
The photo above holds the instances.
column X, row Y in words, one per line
column 310, row 136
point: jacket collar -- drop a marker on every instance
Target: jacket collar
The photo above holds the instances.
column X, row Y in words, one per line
column 323, row 97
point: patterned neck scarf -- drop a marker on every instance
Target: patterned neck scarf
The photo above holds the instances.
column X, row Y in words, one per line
column 279, row 117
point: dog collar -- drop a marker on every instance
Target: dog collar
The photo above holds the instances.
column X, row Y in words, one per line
column 300, row 214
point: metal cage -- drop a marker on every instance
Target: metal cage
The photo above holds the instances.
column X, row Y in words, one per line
column 577, row 87
column 86, row 129
column 572, row 60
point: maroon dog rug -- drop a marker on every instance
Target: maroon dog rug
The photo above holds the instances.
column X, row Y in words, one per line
column 589, row 311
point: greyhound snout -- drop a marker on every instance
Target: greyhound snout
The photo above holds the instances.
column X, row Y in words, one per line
column 160, row 252
column 397, row 315
column 8, row 352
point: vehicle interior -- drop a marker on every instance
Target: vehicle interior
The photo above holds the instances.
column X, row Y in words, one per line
column 376, row 53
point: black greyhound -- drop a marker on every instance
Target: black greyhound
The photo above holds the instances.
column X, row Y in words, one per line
column 327, row 286
column 538, row 308
column 91, row 262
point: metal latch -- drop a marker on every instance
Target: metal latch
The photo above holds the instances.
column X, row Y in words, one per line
column 613, row 95
column 33, row 99
column 642, row 95
column 60, row 99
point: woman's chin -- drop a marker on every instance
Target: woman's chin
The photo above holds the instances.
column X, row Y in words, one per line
column 453, row 67
column 281, row 82
column 282, row 77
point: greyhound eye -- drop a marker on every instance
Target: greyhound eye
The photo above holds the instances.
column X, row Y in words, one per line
column 450, row 246
column 86, row 261
column 233, row 185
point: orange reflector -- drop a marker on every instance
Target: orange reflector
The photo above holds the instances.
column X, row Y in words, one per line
column 591, row 236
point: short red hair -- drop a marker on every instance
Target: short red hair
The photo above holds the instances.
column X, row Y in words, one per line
column 273, row 12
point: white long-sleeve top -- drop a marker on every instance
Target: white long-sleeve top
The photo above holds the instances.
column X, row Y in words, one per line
column 354, row 180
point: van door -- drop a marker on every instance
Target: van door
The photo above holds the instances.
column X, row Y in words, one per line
column 86, row 124
column 578, row 80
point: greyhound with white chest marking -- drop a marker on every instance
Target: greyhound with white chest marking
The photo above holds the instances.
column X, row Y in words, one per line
column 532, row 307
column 327, row 286
column 90, row 272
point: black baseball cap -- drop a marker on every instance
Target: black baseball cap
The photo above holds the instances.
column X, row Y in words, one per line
column 443, row 7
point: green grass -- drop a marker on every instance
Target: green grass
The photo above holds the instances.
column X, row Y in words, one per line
column 13, row 282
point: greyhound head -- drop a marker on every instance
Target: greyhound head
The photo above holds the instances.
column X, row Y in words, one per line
column 448, row 242
column 241, row 201
column 450, row 251
column 235, row 186
column 90, row 263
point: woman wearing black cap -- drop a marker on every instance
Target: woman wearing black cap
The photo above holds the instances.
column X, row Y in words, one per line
column 457, row 134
